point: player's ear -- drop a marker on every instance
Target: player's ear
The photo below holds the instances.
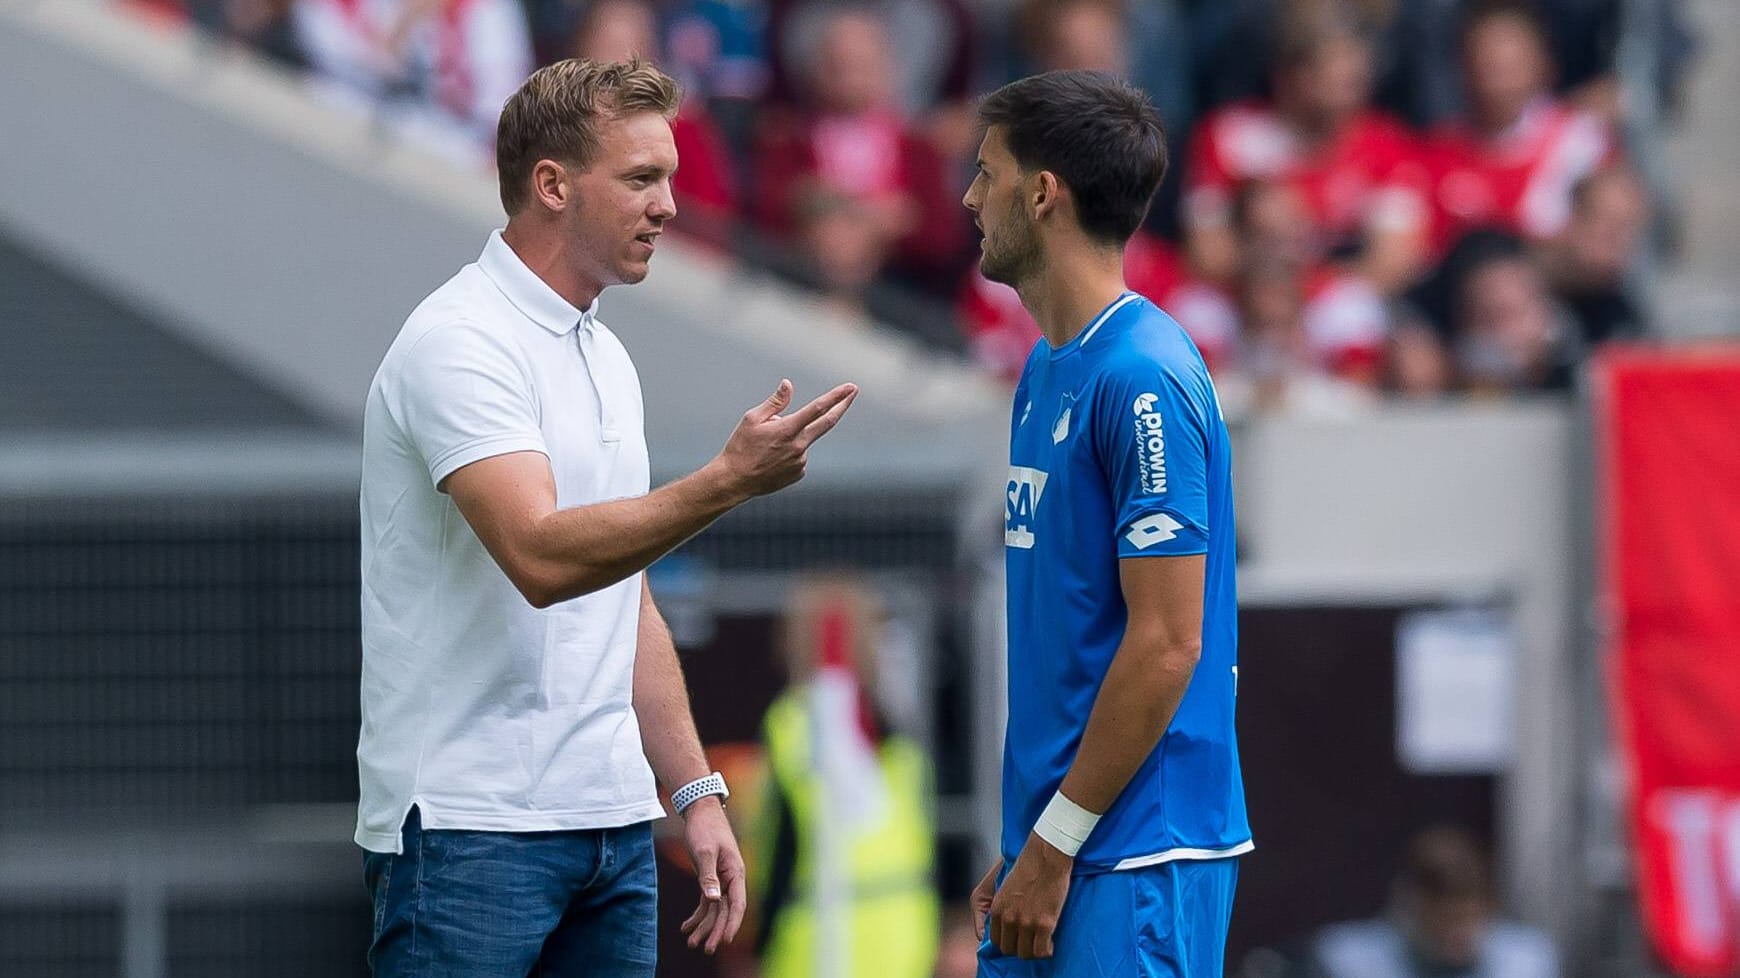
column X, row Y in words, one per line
column 1045, row 193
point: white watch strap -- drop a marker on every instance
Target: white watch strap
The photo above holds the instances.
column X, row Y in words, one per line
column 694, row 791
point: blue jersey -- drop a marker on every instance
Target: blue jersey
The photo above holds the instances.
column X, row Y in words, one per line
column 1118, row 450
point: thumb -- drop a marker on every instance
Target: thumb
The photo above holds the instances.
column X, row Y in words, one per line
column 775, row 403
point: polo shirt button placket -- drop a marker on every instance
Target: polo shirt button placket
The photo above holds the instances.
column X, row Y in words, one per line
column 608, row 430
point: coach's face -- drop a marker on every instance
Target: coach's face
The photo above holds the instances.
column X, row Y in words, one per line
column 1009, row 251
column 621, row 203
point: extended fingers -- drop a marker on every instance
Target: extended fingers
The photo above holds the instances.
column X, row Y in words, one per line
column 824, row 424
column 801, row 418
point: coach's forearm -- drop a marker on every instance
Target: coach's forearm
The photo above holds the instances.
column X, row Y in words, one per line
column 576, row 551
column 1135, row 705
column 661, row 702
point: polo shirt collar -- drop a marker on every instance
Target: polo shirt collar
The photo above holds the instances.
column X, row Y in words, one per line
column 529, row 293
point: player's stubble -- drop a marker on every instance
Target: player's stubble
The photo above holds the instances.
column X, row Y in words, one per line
column 1011, row 249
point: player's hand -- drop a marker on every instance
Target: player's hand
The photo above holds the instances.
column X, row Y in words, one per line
column 1025, row 911
column 768, row 450
column 719, row 869
column 981, row 899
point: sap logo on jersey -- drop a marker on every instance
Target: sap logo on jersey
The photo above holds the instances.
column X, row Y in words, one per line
column 1020, row 503
column 1150, row 443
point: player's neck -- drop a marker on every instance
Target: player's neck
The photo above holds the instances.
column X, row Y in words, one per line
column 546, row 252
column 1071, row 289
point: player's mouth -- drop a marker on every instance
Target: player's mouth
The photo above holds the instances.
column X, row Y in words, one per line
column 649, row 240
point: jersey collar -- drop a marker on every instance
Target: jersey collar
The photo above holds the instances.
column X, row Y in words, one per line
column 1081, row 339
column 530, row 294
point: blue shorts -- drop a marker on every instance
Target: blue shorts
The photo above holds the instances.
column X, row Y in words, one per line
column 1165, row 921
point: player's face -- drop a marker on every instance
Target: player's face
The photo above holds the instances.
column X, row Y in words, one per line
column 1009, row 251
column 624, row 199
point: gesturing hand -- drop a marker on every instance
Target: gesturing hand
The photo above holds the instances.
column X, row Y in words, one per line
column 768, row 451
column 719, row 869
column 1025, row 912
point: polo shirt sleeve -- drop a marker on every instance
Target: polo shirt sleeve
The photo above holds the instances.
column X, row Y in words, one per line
column 1153, row 451
column 464, row 396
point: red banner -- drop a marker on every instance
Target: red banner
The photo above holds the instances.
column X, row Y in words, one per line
column 1668, row 425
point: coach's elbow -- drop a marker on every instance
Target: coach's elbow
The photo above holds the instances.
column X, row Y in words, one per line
column 541, row 582
column 548, row 584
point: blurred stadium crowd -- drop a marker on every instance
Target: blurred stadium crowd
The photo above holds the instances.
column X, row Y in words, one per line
column 1369, row 198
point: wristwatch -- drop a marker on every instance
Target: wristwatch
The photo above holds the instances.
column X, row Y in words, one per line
column 694, row 791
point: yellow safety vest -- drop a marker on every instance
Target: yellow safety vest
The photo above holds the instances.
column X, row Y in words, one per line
column 894, row 927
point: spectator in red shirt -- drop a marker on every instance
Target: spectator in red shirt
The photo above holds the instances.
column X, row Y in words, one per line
column 615, row 30
column 1514, row 160
column 850, row 145
column 1357, row 170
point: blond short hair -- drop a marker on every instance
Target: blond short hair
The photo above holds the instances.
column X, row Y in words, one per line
column 555, row 116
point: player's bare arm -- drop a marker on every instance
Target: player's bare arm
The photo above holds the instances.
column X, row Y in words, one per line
column 673, row 749
column 1142, row 689
column 553, row 554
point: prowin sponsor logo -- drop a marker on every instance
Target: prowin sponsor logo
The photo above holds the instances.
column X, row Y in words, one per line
column 1150, row 443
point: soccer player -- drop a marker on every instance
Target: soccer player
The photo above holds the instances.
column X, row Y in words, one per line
column 1123, row 806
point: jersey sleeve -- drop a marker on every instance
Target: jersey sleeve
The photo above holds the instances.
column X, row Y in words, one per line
column 1152, row 444
column 463, row 397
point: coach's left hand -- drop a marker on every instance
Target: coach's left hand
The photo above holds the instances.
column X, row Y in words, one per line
column 719, row 868
column 1025, row 911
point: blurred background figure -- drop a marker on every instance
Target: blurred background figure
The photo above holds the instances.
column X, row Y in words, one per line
column 1442, row 923
column 264, row 25
column 1491, row 312
column 1590, row 262
column 1353, row 166
column 849, row 139
column 438, row 70
column 846, row 862
column 1512, row 160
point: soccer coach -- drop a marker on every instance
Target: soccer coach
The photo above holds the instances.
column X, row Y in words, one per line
column 520, row 690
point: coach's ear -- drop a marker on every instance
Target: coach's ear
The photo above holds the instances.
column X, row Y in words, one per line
column 550, row 186
column 1044, row 194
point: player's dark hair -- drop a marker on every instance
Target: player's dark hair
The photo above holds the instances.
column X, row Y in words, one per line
column 1101, row 137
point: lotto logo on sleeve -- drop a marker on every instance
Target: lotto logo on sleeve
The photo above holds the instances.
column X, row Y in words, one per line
column 1020, row 504
column 1150, row 443
column 1159, row 528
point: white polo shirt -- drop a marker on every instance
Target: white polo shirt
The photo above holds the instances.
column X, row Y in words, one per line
column 481, row 710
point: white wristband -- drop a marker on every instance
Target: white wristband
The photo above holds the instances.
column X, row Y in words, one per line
column 694, row 791
column 1065, row 825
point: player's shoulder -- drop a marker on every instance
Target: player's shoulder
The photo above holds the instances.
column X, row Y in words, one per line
column 1146, row 341
column 1150, row 355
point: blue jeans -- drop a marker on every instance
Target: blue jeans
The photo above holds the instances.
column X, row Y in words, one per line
column 463, row 904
